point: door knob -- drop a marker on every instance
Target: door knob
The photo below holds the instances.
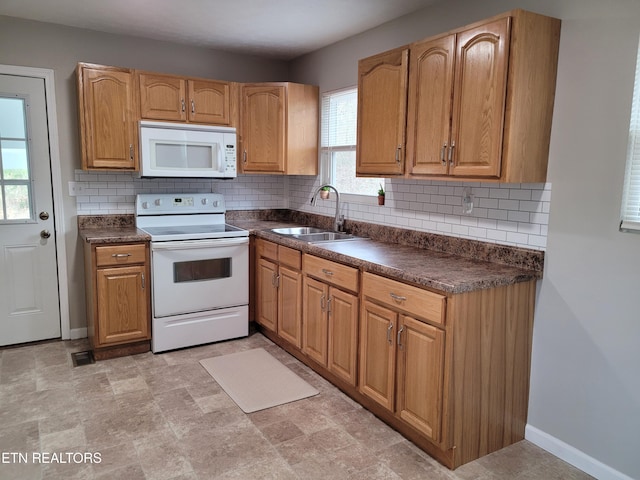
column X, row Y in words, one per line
column 44, row 215
column 45, row 233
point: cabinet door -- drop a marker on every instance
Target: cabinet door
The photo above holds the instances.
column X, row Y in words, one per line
column 314, row 320
column 108, row 120
column 479, row 99
column 343, row 334
column 420, row 376
column 429, row 107
column 162, row 97
column 122, row 305
column 267, row 294
column 382, row 103
column 290, row 306
column 209, row 102
column 377, row 354
column 263, row 123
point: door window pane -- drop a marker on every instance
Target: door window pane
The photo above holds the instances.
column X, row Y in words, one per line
column 15, row 177
column 17, row 200
column 15, row 165
column 12, row 118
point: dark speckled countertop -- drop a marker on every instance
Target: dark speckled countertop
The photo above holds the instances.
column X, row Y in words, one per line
column 105, row 229
column 446, row 272
column 447, row 264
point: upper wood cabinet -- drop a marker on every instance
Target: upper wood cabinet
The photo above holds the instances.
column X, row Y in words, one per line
column 279, row 128
column 479, row 102
column 179, row 99
column 382, row 101
column 108, row 117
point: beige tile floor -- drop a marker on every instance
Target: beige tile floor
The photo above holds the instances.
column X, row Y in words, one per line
column 163, row 417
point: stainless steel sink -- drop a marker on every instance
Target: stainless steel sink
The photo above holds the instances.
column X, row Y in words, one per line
column 297, row 230
column 313, row 234
column 324, row 237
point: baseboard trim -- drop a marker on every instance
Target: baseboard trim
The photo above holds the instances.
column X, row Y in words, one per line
column 76, row 333
column 572, row 455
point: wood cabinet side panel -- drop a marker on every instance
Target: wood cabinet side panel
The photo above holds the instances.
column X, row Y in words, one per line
column 490, row 368
column 533, row 65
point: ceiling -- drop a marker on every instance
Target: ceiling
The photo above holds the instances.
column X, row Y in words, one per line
column 279, row 29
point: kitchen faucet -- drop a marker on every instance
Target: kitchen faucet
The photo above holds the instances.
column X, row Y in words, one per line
column 338, row 221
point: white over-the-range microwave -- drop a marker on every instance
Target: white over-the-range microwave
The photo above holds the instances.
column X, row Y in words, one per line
column 187, row 150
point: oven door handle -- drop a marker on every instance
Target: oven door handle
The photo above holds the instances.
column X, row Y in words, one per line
column 188, row 244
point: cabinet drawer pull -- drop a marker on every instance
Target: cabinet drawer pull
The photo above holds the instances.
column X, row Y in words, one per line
column 400, row 346
column 442, row 154
column 389, row 333
column 120, row 255
column 327, row 272
column 397, row 298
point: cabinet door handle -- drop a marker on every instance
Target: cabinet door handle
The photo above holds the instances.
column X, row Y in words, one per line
column 400, row 346
column 120, row 255
column 389, row 333
column 323, row 303
column 453, row 145
column 244, row 157
column 443, row 151
column 131, row 152
column 329, row 305
column 193, row 106
column 143, row 282
column 397, row 298
column 183, row 105
column 327, row 272
column 398, row 150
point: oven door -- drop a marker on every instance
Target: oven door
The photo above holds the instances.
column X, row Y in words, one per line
column 199, row 275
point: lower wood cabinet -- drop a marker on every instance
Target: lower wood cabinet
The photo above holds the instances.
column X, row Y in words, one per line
column 279, row 290
column 448, row 371
column 330, row 316
column 118, row 299
column 401, row 358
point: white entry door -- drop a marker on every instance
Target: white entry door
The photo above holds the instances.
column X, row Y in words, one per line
column 29, row 304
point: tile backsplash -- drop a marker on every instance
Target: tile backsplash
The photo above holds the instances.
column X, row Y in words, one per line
column 509, row 214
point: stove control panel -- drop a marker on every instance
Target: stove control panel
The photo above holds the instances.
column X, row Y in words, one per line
column 177, row 204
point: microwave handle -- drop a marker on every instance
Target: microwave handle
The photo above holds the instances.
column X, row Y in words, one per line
column 220, row 159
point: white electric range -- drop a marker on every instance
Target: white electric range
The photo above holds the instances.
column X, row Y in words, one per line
column 199, row 270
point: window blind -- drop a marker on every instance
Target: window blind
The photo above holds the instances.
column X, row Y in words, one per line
column 339, row 119
column 631, row 197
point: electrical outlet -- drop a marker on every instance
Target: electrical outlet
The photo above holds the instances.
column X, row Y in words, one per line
column 75, row 189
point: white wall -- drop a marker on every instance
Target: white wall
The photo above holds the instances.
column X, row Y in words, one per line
column 585, row 381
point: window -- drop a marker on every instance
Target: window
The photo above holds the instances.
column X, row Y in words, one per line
column 15, row 181
column 338, row 144
column 631, row 196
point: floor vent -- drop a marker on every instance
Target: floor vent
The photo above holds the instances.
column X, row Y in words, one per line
column 82, row 358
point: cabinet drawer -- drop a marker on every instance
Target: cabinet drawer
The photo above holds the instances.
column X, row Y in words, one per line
column 331, row 272
column 267, row 249
column 413, row 300
column 290, row 257
column 120, row 254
